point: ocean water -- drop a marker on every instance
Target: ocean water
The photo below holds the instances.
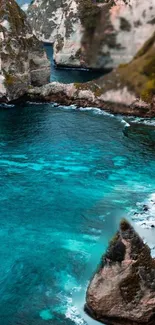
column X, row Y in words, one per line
column 23, row 2
column 66, row 75
column 67, row 177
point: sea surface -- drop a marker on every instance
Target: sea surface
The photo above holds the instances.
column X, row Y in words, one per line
column 67, row 177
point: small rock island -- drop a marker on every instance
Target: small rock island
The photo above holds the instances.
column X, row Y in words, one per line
column 122, row 291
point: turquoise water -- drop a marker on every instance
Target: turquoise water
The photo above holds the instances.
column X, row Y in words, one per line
column 67, row 176
column 22, row 2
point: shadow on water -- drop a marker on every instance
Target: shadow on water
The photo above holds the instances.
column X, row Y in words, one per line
column 69, row 75
column 142, row 134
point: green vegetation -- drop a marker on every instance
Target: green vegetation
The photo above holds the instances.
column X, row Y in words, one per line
column 139, row 74
column 148, row 91
column 148, row 44
column 81, row 86
column 9, row 79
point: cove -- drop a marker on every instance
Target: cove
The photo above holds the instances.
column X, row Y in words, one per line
column 67, row 177
column 69, row 75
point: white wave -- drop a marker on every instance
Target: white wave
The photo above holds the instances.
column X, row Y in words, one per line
column 3, row 105
column 96, row 111
column 37, row 103
column 141, row 120
column 65, row 107
column 126, row 124
column 72, row 313
column 145, row 215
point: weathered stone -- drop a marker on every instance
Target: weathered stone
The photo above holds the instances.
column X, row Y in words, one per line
column 122, row 291
column 96, row 34
column 129, row 89
column 23, row 61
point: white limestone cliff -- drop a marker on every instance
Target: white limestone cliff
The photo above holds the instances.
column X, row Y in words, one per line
column 23, row 61
column 121, row 28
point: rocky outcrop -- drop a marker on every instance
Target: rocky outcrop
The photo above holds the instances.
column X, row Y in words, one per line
column 88, row 95
column 129, row 89
column 23, row 61
column 45, row 18
column 96, row 34
column 122, row 291
column 57, row 22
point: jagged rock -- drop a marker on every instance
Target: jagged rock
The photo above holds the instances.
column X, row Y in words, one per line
column 122, row 291
column 97, row 34
column 23, row 61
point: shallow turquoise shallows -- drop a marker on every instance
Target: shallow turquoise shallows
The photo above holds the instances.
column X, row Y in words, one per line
column 67, row 176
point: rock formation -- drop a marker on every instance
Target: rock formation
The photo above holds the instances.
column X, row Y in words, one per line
column 57, row 21
column 122, row 291
column 97, row 34
column 129, row 89
column 23, row 61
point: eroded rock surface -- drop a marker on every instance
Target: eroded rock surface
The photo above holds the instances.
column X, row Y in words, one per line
column 129, row 89
column 96, row 34
column 122, row 291
column 23, row 61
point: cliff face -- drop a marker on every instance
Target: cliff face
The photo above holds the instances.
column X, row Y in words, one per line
column 23, row 61
column 122, row 291
column 57, row 21
column 121, row 29
column 129, row 89
column 45, row 18
column 91, row 33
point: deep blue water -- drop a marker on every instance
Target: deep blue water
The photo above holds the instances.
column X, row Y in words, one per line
column 67, row 177
column 69, row 75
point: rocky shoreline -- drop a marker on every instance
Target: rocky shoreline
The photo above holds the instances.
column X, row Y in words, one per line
column 70, row 94
column 129, row 89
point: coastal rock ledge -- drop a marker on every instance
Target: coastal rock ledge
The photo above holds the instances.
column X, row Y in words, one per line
column 122, row 291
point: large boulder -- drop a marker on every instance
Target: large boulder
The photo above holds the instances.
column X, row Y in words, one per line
column 97, row 34
column 122, row 291
column 23, row 61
